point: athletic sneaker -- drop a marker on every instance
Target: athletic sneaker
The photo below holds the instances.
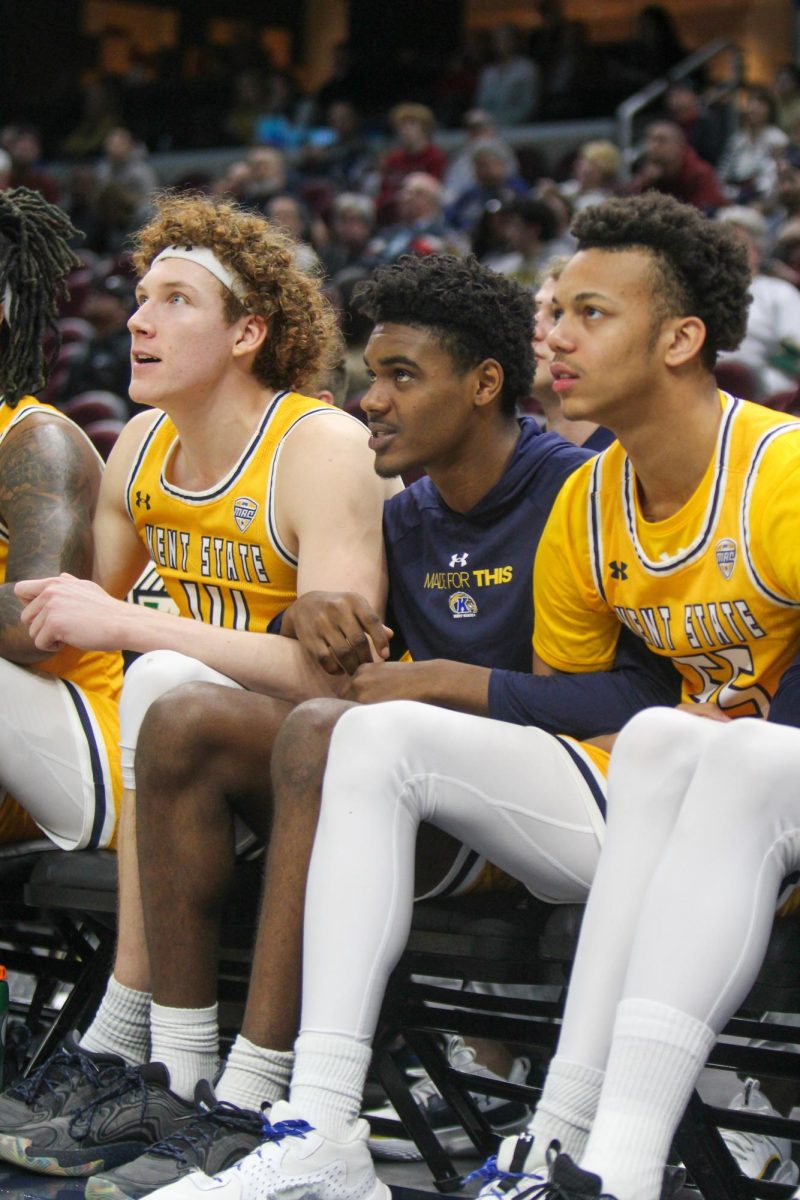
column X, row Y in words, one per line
column 505, row 1116
column 217, row 1137
column 294, row 1162
column 760, row 1156
column 569, row 1182
column 114, row 1124
column 517, row 1167
column 66, row 1081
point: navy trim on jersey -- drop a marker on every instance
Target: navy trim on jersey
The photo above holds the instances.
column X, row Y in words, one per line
column 221, row 488
column 697, row 549
column 588, row 775
column 761, row 448
column 596, row 529
column 100, row 798
column 272, row 527
column 138, row 462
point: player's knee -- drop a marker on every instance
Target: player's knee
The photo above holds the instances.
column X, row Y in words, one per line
column 301, row 747
column 147, row 679
column 373, row 745
column 661, row 739
column 176, row 736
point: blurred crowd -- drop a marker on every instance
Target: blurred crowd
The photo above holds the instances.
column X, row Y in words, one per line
column 354, row 199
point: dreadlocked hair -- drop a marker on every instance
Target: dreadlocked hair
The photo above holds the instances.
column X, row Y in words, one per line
column 35, row 259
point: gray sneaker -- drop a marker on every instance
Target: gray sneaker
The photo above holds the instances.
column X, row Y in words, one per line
column 66, row 1081
column 217, row 1137
column 114, row 1124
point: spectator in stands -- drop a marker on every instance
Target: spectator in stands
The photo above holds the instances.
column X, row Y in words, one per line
column 59, row 727
column 99, row 117
column 595, row 175
column 529, row 226
column 347, row 159
column 771, row 345
column 413, row 125
column 290, row 215
column 656, row 48
column 125, row 166
column 702, row 126
column 670, row 165
column 104, row 363
column 422, row 228
column 235, row 181
column 352, row 226
column 786, row 90
column 495, row 180
column 269, row 176
column 508, row 88
column 748, row 162
column 25, row 148
column 481, row 131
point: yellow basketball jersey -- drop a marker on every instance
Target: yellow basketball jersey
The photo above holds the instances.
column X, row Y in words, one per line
column 219, row 551
column 93, row 680
column 715, row 587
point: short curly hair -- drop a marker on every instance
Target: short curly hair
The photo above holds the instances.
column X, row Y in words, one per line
column 701, row 267
column 302, row 332
column 473, row 313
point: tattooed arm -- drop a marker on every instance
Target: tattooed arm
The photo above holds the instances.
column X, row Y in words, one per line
column 49, row 479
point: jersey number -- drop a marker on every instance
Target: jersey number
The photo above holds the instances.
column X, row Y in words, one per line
column 718, row 673
column 214, row 606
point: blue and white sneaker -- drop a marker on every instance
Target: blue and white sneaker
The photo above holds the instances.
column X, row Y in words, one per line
column 760, row 1156
column 517, row 1167
column 294, row 1162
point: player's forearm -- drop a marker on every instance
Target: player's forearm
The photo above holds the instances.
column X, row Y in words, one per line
column 460, row 686
column 16, row 644
column 261, row 662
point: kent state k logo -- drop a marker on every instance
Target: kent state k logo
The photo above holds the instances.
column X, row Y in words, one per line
column 143, row 500
column 619, row 570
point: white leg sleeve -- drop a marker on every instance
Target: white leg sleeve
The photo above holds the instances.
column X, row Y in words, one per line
column 146, row 680
column 514, row 794
column 706, row 920
column 53, row 758
column 651, row 766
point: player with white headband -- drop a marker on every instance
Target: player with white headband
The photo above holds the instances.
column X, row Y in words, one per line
column 242, row 492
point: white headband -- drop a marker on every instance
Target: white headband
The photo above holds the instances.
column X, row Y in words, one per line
column 208, row 259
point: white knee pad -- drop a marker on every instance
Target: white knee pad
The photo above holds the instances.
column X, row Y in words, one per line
column 148, row 678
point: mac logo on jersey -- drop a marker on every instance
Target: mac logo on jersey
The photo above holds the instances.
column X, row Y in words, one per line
column 462, row 605
column 458, row 560
column 725, row 551
column 244, row 509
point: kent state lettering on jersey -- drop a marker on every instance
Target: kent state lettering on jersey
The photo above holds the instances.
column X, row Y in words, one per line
column 219, row 552
column 732, row 549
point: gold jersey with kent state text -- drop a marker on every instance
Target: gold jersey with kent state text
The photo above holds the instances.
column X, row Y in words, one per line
column 219, row 551
column 92, row 678
column 715, row 587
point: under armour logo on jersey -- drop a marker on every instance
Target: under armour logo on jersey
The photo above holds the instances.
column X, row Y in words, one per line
column 459, row 560
column 619, row 570
column 143, row 500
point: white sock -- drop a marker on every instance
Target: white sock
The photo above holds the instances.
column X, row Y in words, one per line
column 121, row 1024
column 254, row 1074
column 657, row 1053
column 328, row 1081
column 186, row 1040
column 567, row 1107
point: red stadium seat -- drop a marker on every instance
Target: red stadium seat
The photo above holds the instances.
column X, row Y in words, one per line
column 74, row 329
column 103, row 434
column 96, row 405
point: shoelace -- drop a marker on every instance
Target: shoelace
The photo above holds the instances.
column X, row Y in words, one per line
column 276, row 1133
column 116, row 1082
column 59, row 1069
column 200, row 1131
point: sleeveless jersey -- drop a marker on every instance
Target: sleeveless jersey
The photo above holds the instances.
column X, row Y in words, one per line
column 218, row 551
column 93, row 680
column 715, row 586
